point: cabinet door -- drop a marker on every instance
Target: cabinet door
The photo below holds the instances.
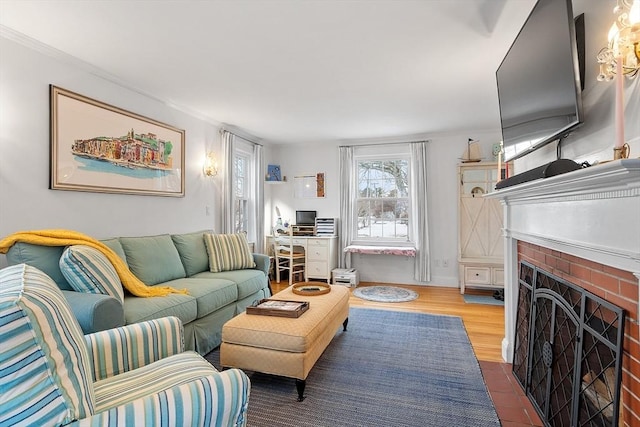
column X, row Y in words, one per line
column 480, row 219
column 480, row 228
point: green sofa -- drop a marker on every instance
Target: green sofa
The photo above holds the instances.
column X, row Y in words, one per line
column 177, row 260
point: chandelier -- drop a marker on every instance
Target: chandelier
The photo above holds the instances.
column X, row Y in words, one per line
column 622, row 53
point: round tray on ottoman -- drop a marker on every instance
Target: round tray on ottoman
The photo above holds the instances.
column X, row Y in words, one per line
column 310, row 288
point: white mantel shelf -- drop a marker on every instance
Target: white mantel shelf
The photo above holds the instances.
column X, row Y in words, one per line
column 601, row 179
column 592, row 213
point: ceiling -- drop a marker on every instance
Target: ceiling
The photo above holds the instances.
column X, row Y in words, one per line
column 294, row 71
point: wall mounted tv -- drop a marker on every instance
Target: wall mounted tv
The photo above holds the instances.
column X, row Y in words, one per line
column 539, row 89
column 306, row 217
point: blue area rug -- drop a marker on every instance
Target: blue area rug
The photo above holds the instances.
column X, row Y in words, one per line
column 385, row 294
column 481, row 299
column 390, row 368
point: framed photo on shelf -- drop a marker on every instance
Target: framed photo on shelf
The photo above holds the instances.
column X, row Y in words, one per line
column 97, row 147
column 274, row 173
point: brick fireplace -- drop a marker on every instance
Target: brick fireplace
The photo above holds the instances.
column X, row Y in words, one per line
column 583, row 227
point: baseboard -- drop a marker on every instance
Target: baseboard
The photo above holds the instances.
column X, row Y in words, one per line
column 436, row 281
column 444, row 281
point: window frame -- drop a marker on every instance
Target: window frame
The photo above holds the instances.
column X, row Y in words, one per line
column 243, row 222
column 382, row 157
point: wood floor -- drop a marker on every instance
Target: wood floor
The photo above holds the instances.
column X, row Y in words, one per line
column 484, row 323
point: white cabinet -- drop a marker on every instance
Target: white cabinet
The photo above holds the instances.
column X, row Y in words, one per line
column 321, row 255
column 480, row 245
column 321, row 258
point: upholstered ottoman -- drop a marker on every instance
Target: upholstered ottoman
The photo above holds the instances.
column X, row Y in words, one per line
column 283, row 346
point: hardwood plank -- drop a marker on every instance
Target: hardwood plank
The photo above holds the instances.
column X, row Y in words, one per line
column 484, row 323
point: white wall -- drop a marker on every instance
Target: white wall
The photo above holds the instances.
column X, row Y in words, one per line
column 299, row 161
column 26, row 203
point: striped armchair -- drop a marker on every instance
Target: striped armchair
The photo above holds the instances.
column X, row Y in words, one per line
column 53, row 375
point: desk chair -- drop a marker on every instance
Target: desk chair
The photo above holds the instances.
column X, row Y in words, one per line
column 286, row 258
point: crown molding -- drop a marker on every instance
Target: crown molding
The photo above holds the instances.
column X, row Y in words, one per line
column 65, row 58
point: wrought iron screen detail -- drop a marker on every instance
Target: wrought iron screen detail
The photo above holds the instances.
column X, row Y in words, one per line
column 523, row 315
column 568, row 351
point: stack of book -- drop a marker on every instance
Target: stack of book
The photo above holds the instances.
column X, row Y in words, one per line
column 281, row 308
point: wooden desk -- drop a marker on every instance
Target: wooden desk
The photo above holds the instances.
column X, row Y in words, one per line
column 321, row 255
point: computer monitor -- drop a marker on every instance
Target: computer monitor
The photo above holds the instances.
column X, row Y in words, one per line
column 306, row 217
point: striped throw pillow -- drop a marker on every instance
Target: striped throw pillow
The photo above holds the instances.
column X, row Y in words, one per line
column 46, row 374
column 228, row 252
column 88, row 270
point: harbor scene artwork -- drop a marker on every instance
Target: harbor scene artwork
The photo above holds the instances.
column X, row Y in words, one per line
column 100, row 148
column 135, row 155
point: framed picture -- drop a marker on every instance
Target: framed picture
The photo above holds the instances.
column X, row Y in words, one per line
column 101, row 148
column 274, row 173
column 309, row 186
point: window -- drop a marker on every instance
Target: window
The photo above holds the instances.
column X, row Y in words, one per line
column 241, row 174
column 242, row 190
column 384, row 200
column 383, row 203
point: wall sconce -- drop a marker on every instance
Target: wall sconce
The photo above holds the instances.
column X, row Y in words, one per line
column 621, row 57
column 210, row 167
column 622, row 53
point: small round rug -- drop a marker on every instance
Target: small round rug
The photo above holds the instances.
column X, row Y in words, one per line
column 385, row 294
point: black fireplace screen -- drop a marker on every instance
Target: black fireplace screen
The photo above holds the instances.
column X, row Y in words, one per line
column 568, row 351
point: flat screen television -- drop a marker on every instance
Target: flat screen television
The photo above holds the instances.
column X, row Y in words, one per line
column 306, row 217
column 539, row 89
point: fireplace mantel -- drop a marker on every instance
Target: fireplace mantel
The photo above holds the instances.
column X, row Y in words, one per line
column 592, row 213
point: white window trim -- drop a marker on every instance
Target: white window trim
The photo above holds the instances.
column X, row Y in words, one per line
column 245, row 150
column 375, row 241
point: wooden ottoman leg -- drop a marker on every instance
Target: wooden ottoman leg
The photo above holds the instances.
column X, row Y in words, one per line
column 344, row 324
column 300, row 387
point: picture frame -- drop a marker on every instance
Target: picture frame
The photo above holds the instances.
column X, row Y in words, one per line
column 309, row 186
column 97, row 147
column 274, row 173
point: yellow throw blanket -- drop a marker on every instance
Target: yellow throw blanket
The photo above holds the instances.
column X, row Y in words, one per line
column 69, row 237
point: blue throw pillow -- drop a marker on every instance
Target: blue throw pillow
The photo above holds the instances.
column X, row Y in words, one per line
column 88, row 270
